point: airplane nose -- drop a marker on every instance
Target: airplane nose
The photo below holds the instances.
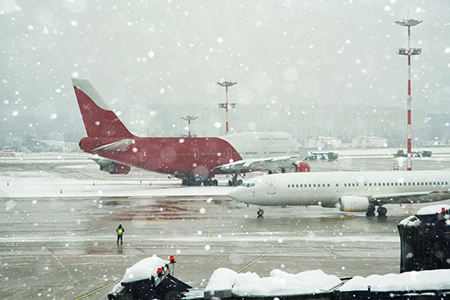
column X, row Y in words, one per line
column 237, row 194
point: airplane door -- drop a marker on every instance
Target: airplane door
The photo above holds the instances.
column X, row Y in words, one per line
column 143, row 155
column 271, row 187
column 265, row 152
column 196, row 154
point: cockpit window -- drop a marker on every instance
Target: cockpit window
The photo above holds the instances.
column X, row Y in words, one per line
column 248, row 184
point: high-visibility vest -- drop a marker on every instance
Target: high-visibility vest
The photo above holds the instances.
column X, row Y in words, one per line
column 120, row 231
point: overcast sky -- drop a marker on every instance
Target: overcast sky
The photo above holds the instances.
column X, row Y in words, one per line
column 152, row 52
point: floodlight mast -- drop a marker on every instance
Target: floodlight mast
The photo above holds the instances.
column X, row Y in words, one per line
column 189, row 119
column 409, row 52
column 226, row 105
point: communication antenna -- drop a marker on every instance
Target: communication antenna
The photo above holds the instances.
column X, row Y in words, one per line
column 226, row 105
column 409, row 52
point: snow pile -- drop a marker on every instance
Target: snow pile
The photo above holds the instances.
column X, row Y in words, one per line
column 144, row 269
column 408, row 281
column 433, row 209
column 279, row 283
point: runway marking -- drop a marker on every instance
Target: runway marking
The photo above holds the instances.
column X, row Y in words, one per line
column 97, row 290
column 278, row 246
column 207, row 239
column 297, row 233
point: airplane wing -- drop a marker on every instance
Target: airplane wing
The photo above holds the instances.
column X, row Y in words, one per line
column 122, row 145
column 416, row 197
column 268, row 163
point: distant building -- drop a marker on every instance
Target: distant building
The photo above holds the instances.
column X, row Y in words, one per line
column 324, row 143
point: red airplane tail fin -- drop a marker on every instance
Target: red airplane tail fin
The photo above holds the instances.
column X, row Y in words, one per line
column 98, row 121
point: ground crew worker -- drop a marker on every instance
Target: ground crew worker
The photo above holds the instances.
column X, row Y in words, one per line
column 120, row 232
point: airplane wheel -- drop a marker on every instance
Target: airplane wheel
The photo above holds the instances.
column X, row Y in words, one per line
column 230, row 183
column 382, row 211
column 260, row 213
column 239, row 182
column 370, row 211
column 215, row 182
column 280, row 170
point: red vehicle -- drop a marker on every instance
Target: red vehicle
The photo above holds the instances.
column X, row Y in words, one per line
column 8, row 151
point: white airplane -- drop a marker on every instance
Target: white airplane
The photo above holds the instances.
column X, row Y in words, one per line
column 350, row 191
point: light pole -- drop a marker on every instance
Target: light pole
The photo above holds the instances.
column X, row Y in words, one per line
column 409, row 52
column 189, row 119
column 227, row 105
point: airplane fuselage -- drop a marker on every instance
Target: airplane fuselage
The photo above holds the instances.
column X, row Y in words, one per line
column 178, row 156
column 358, row 189
column 195, row 156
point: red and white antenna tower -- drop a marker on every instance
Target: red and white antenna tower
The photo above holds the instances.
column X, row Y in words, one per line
column 226, row 105
column 409, row 52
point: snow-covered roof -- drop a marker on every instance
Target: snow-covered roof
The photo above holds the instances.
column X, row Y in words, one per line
column 144, row 269
column 408, row 281
column 279, row 283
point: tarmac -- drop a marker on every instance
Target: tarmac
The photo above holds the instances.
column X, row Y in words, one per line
column 59, row 216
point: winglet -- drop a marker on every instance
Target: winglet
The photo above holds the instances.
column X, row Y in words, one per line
column 98, row 121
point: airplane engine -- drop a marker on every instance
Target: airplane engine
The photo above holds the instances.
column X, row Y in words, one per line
column 300, row 166
column 354, row 203
column 115, row 168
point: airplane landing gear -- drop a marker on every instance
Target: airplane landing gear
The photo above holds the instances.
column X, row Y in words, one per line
column 234, row 181
column 370, row 211
column 260, row 213
column 382, row 211
column 191, row 181
column 210, row 182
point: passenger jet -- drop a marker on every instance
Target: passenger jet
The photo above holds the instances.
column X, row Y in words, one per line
column 193, row 159
column 350, row 191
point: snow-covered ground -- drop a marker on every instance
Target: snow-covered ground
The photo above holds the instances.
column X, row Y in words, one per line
column 59, row 216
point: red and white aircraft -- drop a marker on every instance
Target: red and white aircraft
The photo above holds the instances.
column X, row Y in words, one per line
column 193, row 159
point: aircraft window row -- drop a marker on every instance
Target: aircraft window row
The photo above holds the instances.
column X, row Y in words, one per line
column 308, row 185
column 369, row 184
column 278, row 152
column 395, row 184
